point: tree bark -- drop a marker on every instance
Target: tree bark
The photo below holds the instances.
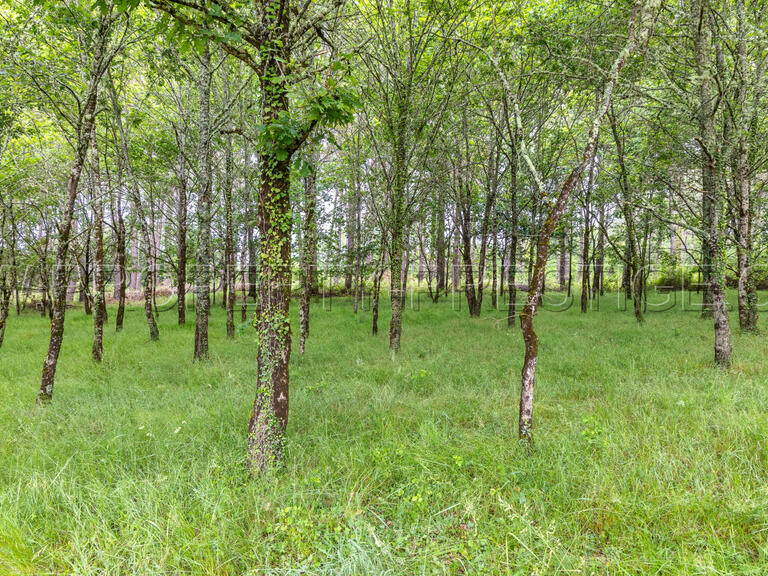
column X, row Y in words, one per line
column 702, row 41
column 98, row 67
column 309, row 246
column 181, row 236
column 531, row 339
column 138, row 208
column 203, row 253
column 99, row 300
column 229, row 227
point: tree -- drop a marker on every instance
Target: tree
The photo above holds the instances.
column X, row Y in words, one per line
column 100, row 54
column 276, row 43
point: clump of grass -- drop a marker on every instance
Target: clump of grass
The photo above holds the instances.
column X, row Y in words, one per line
column 647, row 459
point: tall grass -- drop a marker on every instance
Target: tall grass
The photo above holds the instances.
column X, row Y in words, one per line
column 647, row 459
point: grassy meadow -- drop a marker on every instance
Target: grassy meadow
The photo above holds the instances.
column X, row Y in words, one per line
column 647, row 459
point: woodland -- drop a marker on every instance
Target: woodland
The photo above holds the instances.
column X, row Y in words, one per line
column 383, row 287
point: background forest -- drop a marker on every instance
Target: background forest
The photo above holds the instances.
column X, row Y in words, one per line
column 461, row 199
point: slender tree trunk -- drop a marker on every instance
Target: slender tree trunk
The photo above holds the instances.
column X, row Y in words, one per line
column 99, row 300
column 138, row 209
column 440, row 249
column 358, row 238
column 351, row 236
column 747, row 294
column 494, row 272
column 586, row 239
column 633, row 261
column 562, row 262
column 244, row 285
column 512, row 270
column 377, row 275
column 203, row 255
column 181, row 237
column 559, row 206
column 713, row 256
column 398, row 232
column 229, row 240
column 309, row 241
column 702, row 53
column 597, row 276
column 465, row 225
column 99, row 65
column 229, row 228
column 5, row 304
column 5, row 287
column 122, row 273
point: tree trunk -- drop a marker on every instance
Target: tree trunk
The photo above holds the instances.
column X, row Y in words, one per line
column 512, row 270
column 229, row 227
column 269, row 418
column 5, row 286
column 398, row 225
column 747, row 294
column 309, row 246
column 203, row 253
column 713, row 248
column 597, row 276
column 122, row 273
column 181, row 238
column 586, row 238
column 440, row 249
column 702, row 52
column 98, row 67
column 99, row 301
column 138, row 208
column 531, row 339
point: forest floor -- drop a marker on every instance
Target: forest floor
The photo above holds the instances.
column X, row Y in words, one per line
column 647, row 459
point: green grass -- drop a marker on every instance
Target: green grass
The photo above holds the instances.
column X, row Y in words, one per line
column 647, row 459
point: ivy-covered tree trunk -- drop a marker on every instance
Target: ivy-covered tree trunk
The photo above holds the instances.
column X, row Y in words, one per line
column 99, row 303
column 269, row 418
column 88, row 117
column 203, row 256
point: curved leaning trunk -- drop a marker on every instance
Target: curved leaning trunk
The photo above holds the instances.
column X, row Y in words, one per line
column 58, row 310
column 535, row 290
